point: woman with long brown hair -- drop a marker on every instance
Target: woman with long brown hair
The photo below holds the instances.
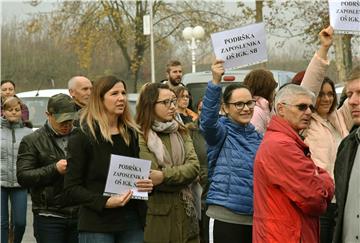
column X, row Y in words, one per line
column 172, row 214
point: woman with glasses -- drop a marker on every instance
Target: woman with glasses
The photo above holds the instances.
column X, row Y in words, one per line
column 328, row 125
column 232, row 144
column 172, row 213
column 186, row 115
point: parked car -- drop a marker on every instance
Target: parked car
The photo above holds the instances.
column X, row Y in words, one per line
column 197, row 82
column 36, row 101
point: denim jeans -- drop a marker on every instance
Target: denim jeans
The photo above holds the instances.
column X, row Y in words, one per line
column 134, row 233
column 128, row 236
column 48, row 229
column 18, row 202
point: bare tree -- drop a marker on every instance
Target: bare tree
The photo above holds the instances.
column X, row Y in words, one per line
column 92, row 25
column 287, row 19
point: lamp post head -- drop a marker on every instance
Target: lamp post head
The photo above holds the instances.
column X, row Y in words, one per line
column 198, row 32
column 188, row 33
column 193, row 36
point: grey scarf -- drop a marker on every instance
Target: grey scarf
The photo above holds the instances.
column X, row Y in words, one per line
column 156, row 146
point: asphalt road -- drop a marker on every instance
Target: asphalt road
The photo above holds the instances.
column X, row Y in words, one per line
column 29, row 233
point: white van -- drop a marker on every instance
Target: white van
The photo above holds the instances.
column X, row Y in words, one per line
column 196, row 83
column 36, row 101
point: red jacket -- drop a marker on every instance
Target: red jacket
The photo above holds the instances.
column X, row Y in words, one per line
column 290, row 192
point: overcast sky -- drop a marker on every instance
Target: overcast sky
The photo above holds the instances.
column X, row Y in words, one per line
column 22, row 9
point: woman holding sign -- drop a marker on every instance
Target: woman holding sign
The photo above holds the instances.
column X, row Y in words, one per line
column 172, row 212
column 232, row 144
column 106, row 128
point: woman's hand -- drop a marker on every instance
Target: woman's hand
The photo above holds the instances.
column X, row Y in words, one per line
column 217, row 69
column 145, row 185
column 118, row 200
column 326, row 39
column 157, row 177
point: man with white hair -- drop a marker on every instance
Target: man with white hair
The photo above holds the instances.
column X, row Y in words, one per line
column 80, row 89
column 290, row 191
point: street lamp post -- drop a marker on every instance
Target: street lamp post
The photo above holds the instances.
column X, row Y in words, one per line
column 193, row 37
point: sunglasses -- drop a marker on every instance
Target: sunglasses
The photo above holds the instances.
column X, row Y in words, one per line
column 302, row 107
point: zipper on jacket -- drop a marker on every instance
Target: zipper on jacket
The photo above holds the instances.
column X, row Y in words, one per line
column 13, row 136
column 13, row 152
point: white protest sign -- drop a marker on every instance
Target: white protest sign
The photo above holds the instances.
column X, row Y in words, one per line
column 241, row 47
column 345, row 16
column 123, row 174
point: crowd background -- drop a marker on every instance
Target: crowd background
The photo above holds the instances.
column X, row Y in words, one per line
column 187, row 148
column 43, row 46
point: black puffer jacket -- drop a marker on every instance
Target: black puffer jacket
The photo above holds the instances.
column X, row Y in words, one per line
column 36, row 169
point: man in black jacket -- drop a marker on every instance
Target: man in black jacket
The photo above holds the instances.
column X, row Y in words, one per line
column 347, row 171
column 41, row 165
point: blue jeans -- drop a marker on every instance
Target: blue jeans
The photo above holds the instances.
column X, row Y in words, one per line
column 55, row 230
column 128, row 236
column 18, row 202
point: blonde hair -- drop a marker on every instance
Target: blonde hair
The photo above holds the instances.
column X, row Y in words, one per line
column 94, row 113
column 11, row 102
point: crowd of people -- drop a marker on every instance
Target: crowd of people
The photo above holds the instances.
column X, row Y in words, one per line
column 272, row 165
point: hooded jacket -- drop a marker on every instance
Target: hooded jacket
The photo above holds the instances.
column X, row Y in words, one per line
column 262, row 114
column 290, row 191
column 11, row 135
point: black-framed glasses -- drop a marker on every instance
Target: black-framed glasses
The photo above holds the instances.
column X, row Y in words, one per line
column 167, row 102
column 240, row 105
column 302, row 107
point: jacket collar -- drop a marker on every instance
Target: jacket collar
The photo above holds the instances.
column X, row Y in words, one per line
column 317, row 117
column 236, row 126
column 50, row 131
column 279, row 124
column 357, row 135
column 6, row 123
